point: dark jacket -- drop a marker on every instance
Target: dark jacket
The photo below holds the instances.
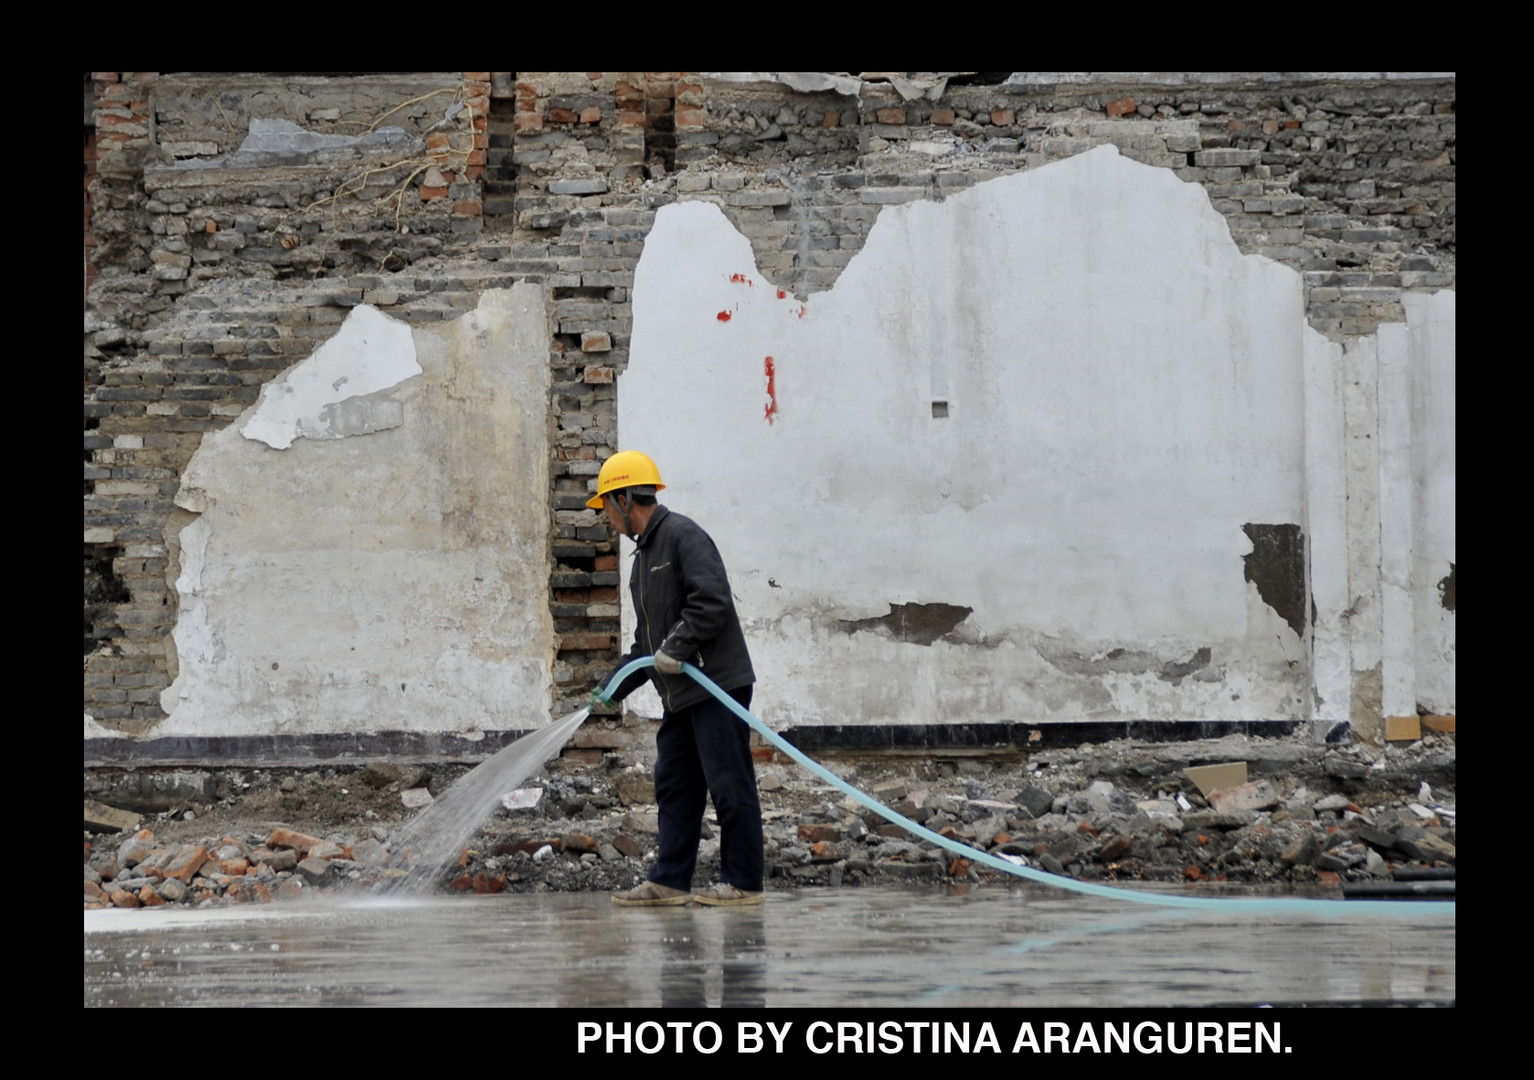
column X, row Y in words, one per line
column 682, row 599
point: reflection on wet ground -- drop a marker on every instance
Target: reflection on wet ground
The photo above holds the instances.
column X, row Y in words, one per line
column 1017, row 946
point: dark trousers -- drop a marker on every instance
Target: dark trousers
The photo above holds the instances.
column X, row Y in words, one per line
column 705, row 750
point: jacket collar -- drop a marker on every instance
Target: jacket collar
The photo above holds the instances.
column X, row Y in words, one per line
column 661, row 513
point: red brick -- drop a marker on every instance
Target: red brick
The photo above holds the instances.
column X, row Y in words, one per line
column 94, row 891
column 234, row 867
column 890, row 115
column 831, row 119
column 124, row 899
column 528, row 121
column 591, row 114
column 1001, row 117
column 461, row 883
column 430, row 193
column 468, row 208
column 1120, row 107
column 943, row 117
column 824, row 851
column 819, row 833
column 283, row 837
column 477, row 157
column 1328, row 877
column 184, row 866
column 149, row 898
column 567, row 642
column 598, row 374
column 958, row 868
column 764, row 755
column 563, row 116
column 584, row 755
column 691, row 119
column 605, row 562
column 438, row 140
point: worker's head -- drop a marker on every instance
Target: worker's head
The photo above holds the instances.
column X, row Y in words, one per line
column 628, row 481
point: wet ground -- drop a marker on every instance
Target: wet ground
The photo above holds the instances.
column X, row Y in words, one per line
column 997, row 946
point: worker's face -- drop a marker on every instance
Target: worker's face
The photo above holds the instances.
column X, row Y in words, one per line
column 614, row 513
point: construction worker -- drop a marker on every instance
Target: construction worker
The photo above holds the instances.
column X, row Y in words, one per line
column 684, row 612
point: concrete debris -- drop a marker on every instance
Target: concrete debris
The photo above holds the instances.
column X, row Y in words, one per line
column 1211, row 778
column 522, row 798
column 100, row 818
column 1297, row 823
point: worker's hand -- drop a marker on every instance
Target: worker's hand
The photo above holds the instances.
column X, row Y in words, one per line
column 598, row 701
column 667, row 665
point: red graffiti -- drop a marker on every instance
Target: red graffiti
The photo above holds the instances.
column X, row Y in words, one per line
column 723, row 316
column 781, row 294
column 772, row 391
column 742, row 279
column 801, row 311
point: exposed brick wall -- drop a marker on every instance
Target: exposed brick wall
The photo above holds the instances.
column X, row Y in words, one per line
column 555, row 177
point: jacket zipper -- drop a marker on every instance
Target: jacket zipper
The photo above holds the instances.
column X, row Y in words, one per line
column 648, row 640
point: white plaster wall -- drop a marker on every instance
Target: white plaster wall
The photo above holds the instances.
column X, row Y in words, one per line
column 1419, row 359
column 1125, row 390
column 371, row 546
column 1432, row 323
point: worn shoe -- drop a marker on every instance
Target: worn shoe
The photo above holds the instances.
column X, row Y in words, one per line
column 723, row 895
column 652, row 895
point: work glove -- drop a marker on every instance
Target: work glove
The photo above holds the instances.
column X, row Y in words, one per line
column 667, row 665
column 598, row 701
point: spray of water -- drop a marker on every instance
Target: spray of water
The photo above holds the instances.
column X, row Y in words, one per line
column 435, row 839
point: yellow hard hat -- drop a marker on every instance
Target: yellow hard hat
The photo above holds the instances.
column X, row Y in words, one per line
column 625, row 469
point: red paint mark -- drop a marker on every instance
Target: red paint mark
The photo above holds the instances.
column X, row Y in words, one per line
column 772, row 391
column 781, row 294
column 742, row 279
column 801, row 311
column 723, row 316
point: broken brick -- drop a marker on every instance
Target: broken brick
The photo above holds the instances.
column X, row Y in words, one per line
column 291, row 838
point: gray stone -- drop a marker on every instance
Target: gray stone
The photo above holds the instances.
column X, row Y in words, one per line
column 315, row 871
column 1035, row 800
column 596, row 186
column 105, row 819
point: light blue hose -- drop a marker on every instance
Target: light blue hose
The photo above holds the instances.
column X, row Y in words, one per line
column 1246, row 905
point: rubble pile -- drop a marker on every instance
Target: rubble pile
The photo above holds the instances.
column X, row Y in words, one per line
column 1309, row 815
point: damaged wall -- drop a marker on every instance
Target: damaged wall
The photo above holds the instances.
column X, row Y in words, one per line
column 235, row 219
column 1106, row 469
column 367, row 544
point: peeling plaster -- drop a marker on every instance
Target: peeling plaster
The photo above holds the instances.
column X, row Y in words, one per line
column 396, row 582
column 919, row 624
column 1140, row 394
column 1446, row 590
column 282, row 142
column 1120, row 661
column 334, row 393
column 1276, row 566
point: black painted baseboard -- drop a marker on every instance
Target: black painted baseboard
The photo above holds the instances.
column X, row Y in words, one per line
column 827, row 738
